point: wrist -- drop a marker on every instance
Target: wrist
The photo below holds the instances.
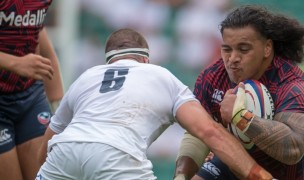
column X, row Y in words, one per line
column 243, row 119
column 257, row 172
column 8, row 61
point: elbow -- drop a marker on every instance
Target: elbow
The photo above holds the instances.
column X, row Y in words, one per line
column 295, row 156
column 296, row 153
column 292, row 162
column 294, row 159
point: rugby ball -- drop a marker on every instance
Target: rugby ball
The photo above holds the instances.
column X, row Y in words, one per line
column 260, row 103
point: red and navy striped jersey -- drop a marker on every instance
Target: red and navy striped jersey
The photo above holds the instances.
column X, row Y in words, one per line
column 20, row 24
column 285, row 83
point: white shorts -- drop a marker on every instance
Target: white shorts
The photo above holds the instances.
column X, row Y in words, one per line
column 92, row 161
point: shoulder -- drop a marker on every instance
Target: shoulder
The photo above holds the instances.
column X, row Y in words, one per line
column 292, row 87
column 288, row 86
column 214, row 73
column 283, row 77
column 285, row 66
column 92, row 71
column 282, row 73
column 164, row 77
column 290, row 97
column 215, row 70
column 157, row 70
column 285, row 74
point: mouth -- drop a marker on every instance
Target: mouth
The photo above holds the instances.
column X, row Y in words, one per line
column 234, row 69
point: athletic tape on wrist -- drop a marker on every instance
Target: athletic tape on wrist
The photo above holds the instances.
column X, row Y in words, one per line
column 257, row 172
column 121, row 52
column 243, row 119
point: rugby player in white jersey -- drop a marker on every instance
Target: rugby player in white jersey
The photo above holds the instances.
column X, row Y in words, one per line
column 112, row 113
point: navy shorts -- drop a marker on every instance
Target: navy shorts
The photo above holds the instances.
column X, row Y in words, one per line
column 216, row 169
column 23, row 116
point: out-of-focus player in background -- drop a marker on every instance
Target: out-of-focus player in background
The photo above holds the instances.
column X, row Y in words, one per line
column 112, row 113
column 261, row 45
column 29, row 71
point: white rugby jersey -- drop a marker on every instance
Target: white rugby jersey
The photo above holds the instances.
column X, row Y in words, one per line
column 126, row 104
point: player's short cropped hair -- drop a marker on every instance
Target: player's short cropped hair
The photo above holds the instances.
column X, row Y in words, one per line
column 125, row 39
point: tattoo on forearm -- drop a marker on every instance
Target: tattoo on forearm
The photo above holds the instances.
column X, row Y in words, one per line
column 282, row 138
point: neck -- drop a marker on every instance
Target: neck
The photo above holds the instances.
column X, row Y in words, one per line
column 264, row 66
column 139, row 59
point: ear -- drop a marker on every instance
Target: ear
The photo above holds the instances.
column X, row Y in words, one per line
column 146, row 60
column 268, row 48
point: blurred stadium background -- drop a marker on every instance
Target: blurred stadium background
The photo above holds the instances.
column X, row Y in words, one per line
column 183, row 37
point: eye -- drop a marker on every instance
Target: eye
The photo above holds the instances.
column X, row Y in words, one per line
column 244, row 48
column 226, row 49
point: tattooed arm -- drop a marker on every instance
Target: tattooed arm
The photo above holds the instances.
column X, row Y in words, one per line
column 282, row 138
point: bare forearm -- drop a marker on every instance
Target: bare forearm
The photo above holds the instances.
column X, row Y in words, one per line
column 230, row 151
column 194, row 118
column 54, row 87
column 287, row 130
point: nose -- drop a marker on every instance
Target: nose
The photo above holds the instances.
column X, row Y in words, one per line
column 234, row 57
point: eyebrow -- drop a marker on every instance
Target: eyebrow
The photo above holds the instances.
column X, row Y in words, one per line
column 240, row 44
column 244, row 44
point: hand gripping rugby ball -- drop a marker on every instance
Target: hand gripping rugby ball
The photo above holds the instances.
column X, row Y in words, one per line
column 259, row 102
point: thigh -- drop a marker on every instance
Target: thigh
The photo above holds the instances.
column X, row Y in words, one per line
column 215, row 169
column 30, row 127
column 28, row 157
column 33, row 122
column 20, row 125
column 9, row 165
column 7, row 126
